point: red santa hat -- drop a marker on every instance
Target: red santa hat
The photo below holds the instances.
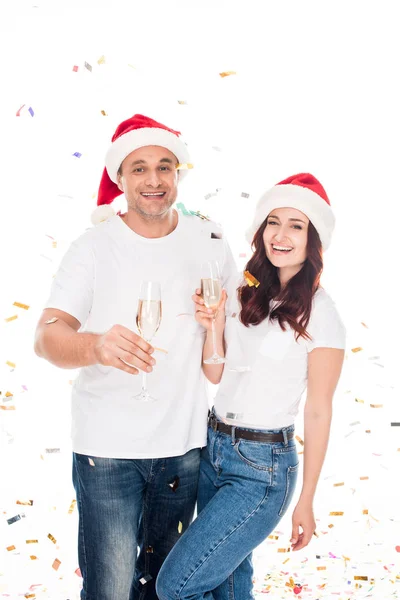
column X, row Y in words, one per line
column 303, row 192
column 134, row 133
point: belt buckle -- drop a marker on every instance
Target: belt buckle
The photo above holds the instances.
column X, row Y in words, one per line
column 213, row 422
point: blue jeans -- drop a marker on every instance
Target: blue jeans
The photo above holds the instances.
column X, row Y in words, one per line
column 130, row 512
column 244, row 490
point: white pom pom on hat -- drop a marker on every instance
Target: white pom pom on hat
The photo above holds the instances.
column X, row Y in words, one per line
column 303, row 192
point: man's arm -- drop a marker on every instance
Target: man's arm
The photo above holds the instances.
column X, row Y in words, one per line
column 60, row 343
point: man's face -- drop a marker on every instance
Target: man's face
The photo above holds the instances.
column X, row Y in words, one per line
column 149, row 180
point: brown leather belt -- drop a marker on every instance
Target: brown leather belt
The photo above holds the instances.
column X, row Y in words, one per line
column 246, row 434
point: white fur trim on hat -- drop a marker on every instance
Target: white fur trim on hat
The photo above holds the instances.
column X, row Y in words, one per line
column 102, row 213
column 295, row 196
column 138, row 138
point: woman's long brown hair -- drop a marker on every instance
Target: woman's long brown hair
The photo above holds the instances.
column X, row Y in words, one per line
column 294, row 300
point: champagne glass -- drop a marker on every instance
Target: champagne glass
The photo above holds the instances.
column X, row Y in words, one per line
column 148, row 319
column 211, row 290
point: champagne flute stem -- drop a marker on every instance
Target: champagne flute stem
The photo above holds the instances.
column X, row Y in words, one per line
column 214, row 336
column 144, row 388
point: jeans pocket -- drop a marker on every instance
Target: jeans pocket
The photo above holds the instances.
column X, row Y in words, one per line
column 255, row 455
column 291, row 478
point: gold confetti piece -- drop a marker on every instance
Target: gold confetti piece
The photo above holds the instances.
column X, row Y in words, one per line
column 52, row 538
column 298, row 438
column 161, row 350
column 54, row 244
column 359, row 401
column 25, row 502
column 364, row 477
column 336, row 513
column 321, row 568
column 273, row 537
column 11, row 364
column 360, row 578
column 32, row 541
column 286, row 560
column 376, row 405
column 10, row 548
column 7, row 407
column 181, row 166
column 283, row 549
column 356, row 349
column 103, row 112
column 33, row 557
column 345, row 557
column 367, row 431
column 20, row 305
column 331, row 525
column 72, row 506
column 180, row 527
column 365, row 511
column 91, row 462
column 364, row 325
column 30, row 596
column 56, row 564
column 338, row 484
column 182, row 102
column 250, row 279
column 50, row 321
column 101, row 60
column 9, row 319
column 9, row 394
column 227, row 73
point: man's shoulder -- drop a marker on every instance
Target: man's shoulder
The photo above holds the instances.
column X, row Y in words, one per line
column 197, row 221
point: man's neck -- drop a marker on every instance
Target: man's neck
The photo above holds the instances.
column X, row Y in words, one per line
column 151, row 228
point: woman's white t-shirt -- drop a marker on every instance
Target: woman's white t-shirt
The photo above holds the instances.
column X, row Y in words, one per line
column 266, row 370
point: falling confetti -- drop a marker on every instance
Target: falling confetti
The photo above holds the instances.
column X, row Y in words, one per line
column 180, row 527
column 244, row 195
column 356, row 349
column 9, row 319
column 75, row 68
column 56, row 564
column 50, row 321
column 18, row 113
column 20, row 305
column 251, row 280
column 101, row 60
column 184, row 166
column 227, row 73
column 145, row 579
column 88, row 67
column 77, row 154
column 53, row 539
column 11, row 364
column 31, row 112
column 174, row 484
column 103, row 112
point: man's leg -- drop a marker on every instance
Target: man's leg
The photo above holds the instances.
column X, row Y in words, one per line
column 109, row 496
column 168, row 510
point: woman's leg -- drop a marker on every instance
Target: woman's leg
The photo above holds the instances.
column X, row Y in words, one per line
column 254, row 482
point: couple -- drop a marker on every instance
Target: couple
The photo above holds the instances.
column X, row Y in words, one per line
column 140, row 467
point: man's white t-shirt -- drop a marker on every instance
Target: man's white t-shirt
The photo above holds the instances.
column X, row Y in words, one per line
column 266, row 370
column 98, row 283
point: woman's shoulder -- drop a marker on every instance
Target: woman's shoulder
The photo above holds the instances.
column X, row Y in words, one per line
column 322, row 300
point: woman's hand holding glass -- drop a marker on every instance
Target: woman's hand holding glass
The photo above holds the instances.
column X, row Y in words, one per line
column 204, row 315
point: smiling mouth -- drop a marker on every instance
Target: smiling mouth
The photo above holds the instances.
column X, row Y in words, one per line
column 281, row 249
column 152, row 194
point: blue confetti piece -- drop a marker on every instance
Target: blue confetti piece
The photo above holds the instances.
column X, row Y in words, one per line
column 13, row 519
column 77, row 154
column 30, row 110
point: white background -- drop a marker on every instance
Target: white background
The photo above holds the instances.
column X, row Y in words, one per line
column 315, row 90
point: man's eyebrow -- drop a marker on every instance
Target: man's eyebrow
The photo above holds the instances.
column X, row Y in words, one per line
column 143, row 162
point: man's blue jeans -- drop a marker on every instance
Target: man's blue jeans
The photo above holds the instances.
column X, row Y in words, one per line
column 244, row 490
column 131, row 513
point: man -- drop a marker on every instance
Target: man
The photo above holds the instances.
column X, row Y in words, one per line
column 135, row 464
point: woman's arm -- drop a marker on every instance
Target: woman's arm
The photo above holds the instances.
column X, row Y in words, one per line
column 324, row 368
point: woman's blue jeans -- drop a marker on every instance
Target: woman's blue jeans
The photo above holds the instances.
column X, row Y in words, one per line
column 131, row 513
column 244, row 490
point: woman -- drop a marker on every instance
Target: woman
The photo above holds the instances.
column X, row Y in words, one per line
column 284, row 336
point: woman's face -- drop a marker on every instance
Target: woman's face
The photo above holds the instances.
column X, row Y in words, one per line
column 285, row 239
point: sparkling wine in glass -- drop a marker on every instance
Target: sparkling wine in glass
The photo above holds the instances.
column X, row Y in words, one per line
column 211, row 290
column 148, row 319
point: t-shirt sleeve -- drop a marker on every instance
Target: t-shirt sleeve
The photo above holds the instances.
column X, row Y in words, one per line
column 73, row 284
column 325, row 327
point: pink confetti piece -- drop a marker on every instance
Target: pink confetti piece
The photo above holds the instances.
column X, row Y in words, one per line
column 18, row 113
